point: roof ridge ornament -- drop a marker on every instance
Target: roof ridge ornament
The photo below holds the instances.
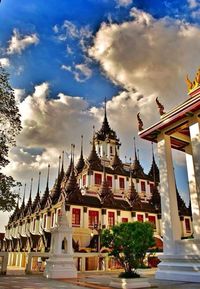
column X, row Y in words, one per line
column 140, row 122
column 160, row 107
column 195, row 84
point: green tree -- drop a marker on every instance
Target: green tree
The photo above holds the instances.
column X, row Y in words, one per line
column 128, row 243
column 10, row 127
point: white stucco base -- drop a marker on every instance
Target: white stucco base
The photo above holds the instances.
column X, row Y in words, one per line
column 179, row 268
column 60, row 266
column 129, row 283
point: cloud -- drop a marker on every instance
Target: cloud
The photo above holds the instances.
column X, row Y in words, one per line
column 81, row 72
column 150, row 55
column 19, row 42
column 19, row 94
column 49, row 126
column 69, row 31
column 193, row 4
column 4, row 62
column 123, row 3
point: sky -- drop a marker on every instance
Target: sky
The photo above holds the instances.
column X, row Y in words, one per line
column 65, row 57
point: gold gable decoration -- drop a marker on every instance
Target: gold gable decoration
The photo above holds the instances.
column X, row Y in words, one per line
column 192, row 85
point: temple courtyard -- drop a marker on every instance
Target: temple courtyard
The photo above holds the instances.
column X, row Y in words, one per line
column 16, row 279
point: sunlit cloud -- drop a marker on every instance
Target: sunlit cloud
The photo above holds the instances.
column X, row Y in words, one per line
column 19, row 42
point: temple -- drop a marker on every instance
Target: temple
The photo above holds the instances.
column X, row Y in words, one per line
column 99, row 191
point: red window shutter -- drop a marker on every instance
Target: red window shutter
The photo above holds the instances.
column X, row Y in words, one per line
column 124, row 220
column 76, row 217
column 152, row 220
column 140, row 218
column 121, row 183
column 111, row 219
column 143, row 187
column 84, row 180
column 109, row 180
column 187, row 225
column 97, row 179
column 93, row 218
column 151, row 187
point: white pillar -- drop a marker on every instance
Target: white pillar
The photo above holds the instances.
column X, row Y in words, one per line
column 170, row 218
column 195, row 143
column 194, row 194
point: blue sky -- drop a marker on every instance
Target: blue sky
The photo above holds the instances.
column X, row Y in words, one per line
column 65, row 57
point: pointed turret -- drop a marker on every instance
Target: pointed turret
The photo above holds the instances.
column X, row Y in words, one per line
column 105, row 192
column 116, row 162
column 36, row 202
column 28, row 208
column 68, row 172
column 22, row 207
column 105, row 131
column 133, row 196
column 81, row 162
column 46, row 193
column 137, row 168
column 93, row 160
column 57, row 187
column 72, row 190
column 154, row 173
column 155, row 200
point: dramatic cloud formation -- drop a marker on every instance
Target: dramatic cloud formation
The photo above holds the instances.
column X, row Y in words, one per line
column 51, row 125
column 19, row 42
column 4, row 62
column 150, row 55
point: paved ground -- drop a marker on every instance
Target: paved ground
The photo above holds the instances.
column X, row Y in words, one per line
column 95, row 280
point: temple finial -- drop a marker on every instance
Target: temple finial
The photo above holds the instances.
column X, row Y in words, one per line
column 105, row 108
column 140, row 123
column 73, row 149
column 38, row 191
column 59, row 160
column 135, row 148
column 48, row 171
column 82, row 145
column 31, row 188
column 62, row 167
column 93, row 131
column 160, row 107
column 138, row 154
column 23, row 201
column 130, row 169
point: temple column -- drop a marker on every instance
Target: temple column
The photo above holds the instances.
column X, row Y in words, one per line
column 195, row 143
column 170, row 218
column 193, row 170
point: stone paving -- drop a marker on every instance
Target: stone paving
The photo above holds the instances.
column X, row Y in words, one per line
column 95, row 280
